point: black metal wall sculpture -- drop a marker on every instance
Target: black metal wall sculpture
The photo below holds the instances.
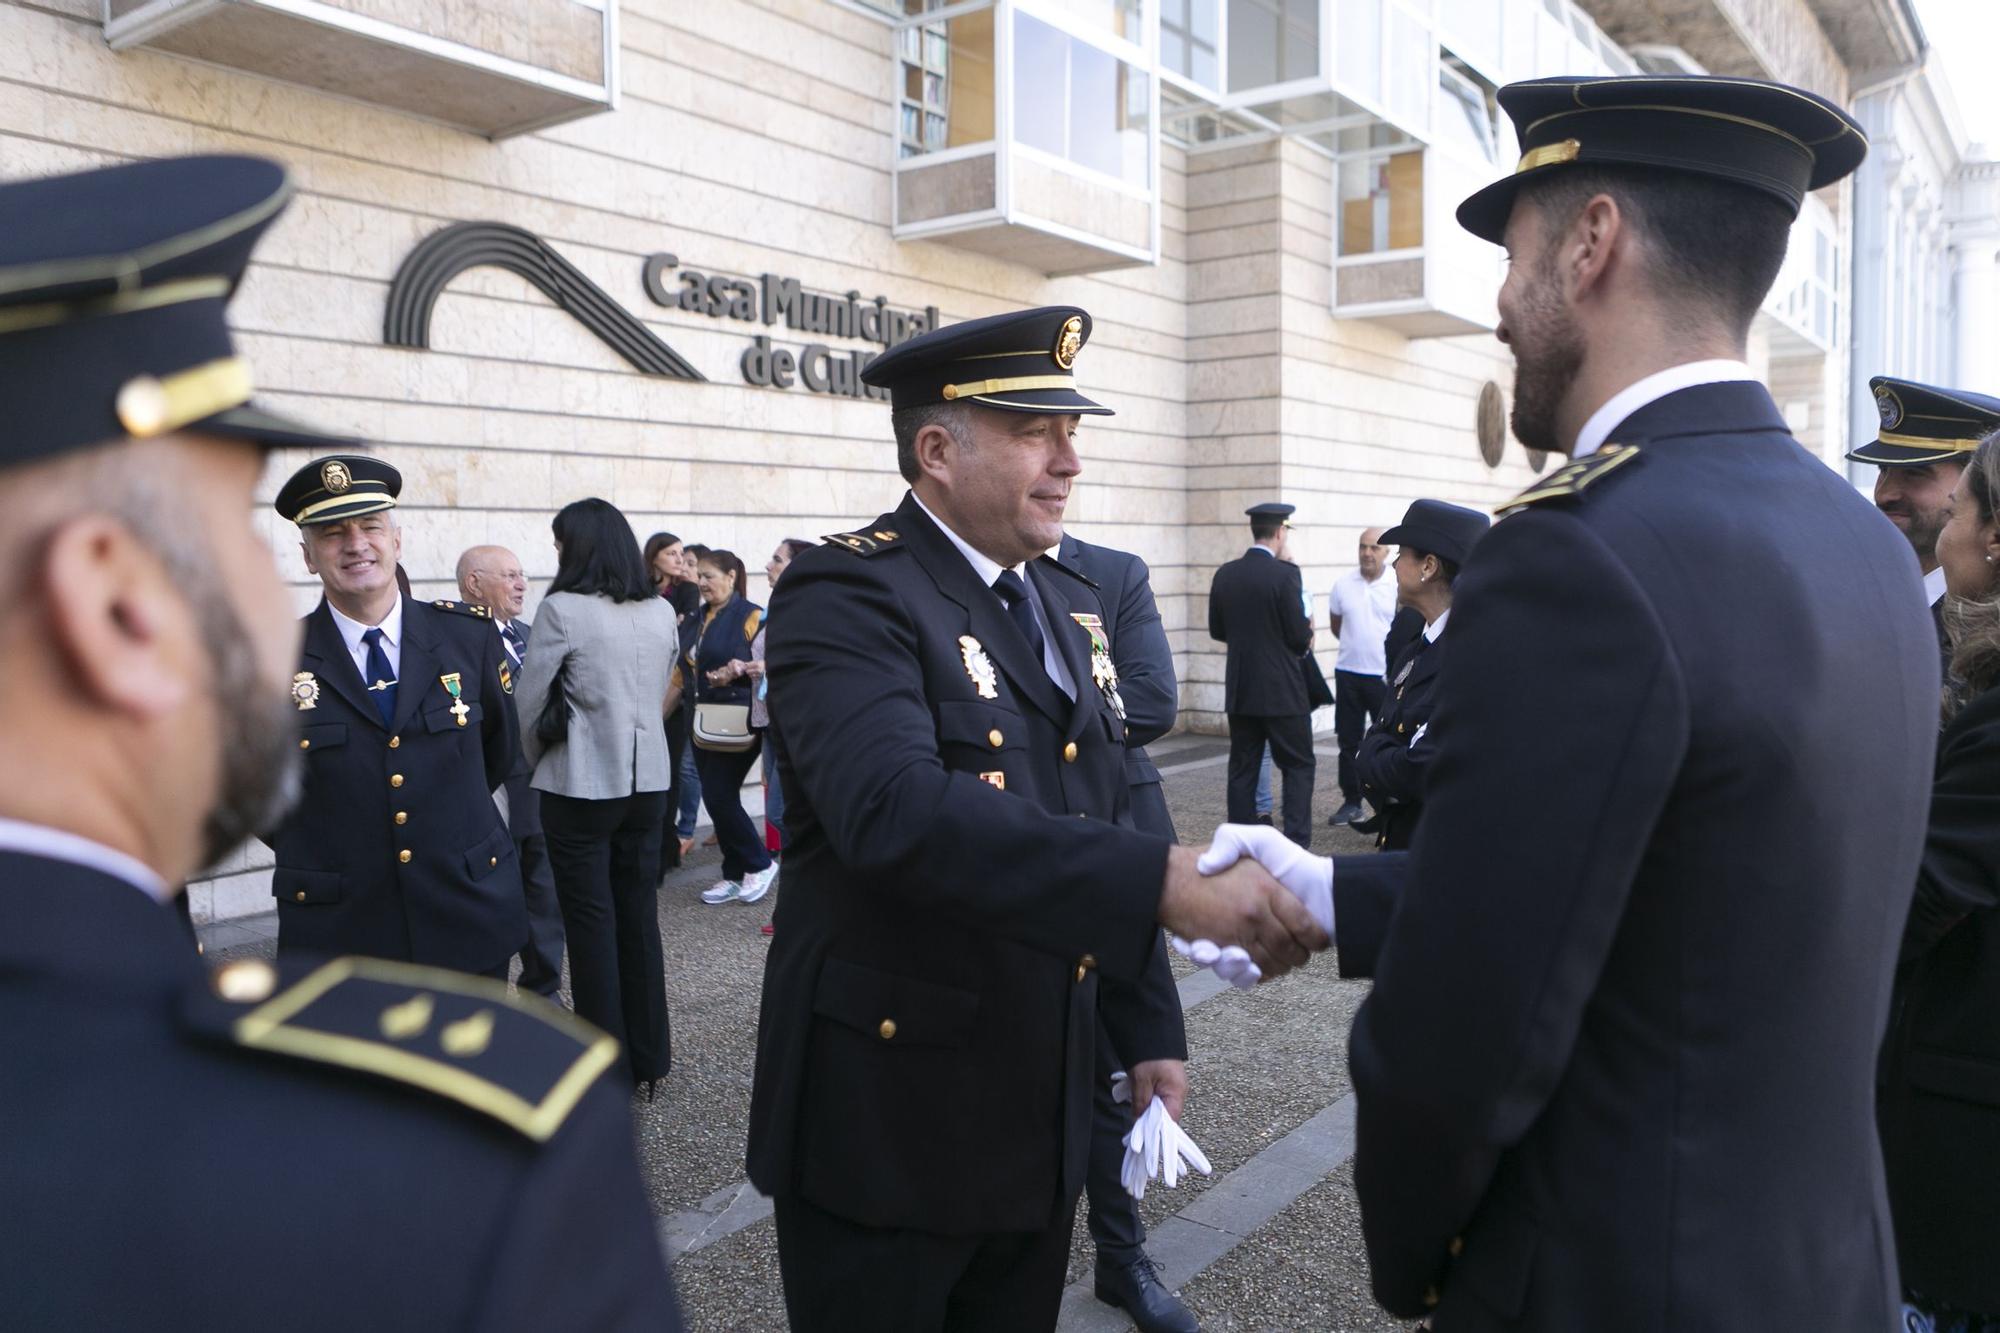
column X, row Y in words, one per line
column 445, row 254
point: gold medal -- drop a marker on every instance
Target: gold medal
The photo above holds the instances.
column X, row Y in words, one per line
column 450, row 682
column 979, row 667
column 305, row 691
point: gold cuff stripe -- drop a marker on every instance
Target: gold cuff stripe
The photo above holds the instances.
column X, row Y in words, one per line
column 380, row 499
column 974, row 388
column 1548, row 155
column 1959, row 446
column 149, row 406
column 48, row 314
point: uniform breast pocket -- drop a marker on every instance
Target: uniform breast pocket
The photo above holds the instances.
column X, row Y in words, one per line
column 443, row 719
column 892, row 1011
column 324, row 736
column 489, row 853
column 975, row 737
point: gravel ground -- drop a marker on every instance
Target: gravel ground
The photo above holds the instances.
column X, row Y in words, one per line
column 1263, row 1063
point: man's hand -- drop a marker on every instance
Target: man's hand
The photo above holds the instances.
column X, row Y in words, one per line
column 1241, row 905
column 1165, row 1079
column 1308, row 876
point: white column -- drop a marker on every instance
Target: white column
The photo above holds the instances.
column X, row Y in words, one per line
column 1977, row 364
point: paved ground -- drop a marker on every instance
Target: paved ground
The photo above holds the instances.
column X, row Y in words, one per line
column 1270, row 1242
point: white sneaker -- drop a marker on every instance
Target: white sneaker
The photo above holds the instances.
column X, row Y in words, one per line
column 757, row 885
column 723, row 891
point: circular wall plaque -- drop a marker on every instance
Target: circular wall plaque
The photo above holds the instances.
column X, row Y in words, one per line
column 1492, row 424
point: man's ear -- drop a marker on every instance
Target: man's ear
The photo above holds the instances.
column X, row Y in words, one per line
column 1598, row 235
column 306, row 552
column 933, row 444
column 124, row 629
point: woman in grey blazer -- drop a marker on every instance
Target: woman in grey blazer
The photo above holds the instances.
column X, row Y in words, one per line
column 605, row 631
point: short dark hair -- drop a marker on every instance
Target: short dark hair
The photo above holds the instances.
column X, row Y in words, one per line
column 1447, row 569
column 1265, row 526
column 600, row 555
column 794, row 545
column 909, row 422
column 655, row 544
column 1717, row 246
column 695, row 549
column 727, row 562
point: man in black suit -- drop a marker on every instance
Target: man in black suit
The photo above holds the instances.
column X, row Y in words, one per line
column 1617, row 1069
column 968, row 893
column 457, row 1159
column 1126, row 1276
column 407, row 727
column 491, row 576
column 1927, row 434
column 1256, row 606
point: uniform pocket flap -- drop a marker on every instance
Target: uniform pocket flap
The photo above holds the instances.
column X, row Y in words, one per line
column 1968, row 1078
column 970, row 722
column 1498, row 1258
column 307, row 886
column 443, row 719
column 323, row 736
column 489, row 853
column 897, row 1011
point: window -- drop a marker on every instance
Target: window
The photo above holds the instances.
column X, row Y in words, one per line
column 1189, row 30
column 1079, row 103
column 1468, row 114
column 1273, row 41
column 1121, row 18
column 1381, row 203
column 945, row 98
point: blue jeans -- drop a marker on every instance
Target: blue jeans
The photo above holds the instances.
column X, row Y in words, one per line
column 774, row 798
column 1264, row 784
column 690, row 785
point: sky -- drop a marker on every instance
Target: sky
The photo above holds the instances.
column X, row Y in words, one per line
column 1964, row 34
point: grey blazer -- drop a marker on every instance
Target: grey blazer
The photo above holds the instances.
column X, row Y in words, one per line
column 616, row 659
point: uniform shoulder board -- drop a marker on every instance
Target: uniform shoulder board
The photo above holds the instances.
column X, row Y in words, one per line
column 1572, row 477
column 463, row 608
column 522, row 1062
column 869, row 541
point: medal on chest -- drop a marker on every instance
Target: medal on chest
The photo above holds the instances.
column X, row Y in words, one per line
column 1404, row 674
column 305, row 691
column 978, row 666
column 450, row 681
column 1103, row 672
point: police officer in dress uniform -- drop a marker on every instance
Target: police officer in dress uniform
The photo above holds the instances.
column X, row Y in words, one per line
column 1395, row 756
column 1144, row 662
column 968, row 894
column 1256, row 607
column 367, row 1145
column 1927, row 434
column 397, row 849
column 1616, row 1071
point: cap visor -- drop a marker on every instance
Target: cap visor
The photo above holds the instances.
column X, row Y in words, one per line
column 1400, row 535
column 253, row 423
column 1058, row 401
column 1485, row 212
column 1898, row 455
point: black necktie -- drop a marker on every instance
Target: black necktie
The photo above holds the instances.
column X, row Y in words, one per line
column 1015, row 593
column 381, row 676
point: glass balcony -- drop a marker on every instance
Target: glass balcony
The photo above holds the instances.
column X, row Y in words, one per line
column 1029, row 131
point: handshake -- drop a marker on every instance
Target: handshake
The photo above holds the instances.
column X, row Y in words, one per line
column 1253, row 904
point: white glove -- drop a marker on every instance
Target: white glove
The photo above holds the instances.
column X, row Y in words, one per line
column 1232, row 964
column 1157, row 1149
column 1309, row 877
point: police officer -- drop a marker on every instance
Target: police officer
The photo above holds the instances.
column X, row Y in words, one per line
column 406, row 725
column 1617, row 1067
column 371, row 1145
column 1256, row 606
column 1126, row 1276
column 967, row 893
column 1927, row 434
column 1394, row 757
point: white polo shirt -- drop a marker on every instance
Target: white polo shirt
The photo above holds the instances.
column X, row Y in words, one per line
column 1365, row 610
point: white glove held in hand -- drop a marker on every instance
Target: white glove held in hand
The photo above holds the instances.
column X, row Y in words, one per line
column 1309, row 877
column 1156, row 1149
column 1232, row 964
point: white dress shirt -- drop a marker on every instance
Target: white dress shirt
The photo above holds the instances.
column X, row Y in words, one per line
column 351, row 631
column 506, row 644
column 987, row 569
column 39, row 840
column 1649, row 390
column 1934, row 586
column 1436, row 627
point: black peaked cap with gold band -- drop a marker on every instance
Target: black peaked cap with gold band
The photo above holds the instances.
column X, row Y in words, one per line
column 1764, row 136
column 1019, row 362
column 339, row 486
column 113, row 285
column 1923, row 424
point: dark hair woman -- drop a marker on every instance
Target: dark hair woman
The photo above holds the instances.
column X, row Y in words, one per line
column 666, row 562
column 760, row 713
column 605, row 631
column 1939, row 1115
column 1395, row 754
column 716, row 665
column 686, row 597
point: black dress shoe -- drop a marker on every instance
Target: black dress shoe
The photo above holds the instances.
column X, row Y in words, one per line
column 1372, row 824
column 1133, row 1285
column 1265, row 820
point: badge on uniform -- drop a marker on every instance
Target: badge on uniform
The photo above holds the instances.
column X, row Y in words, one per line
column 994, row 780
column 450, row 681
column 506, row 679
column 1103, row 672
column 305, row 691
column 979, row 666
column 1404, row 674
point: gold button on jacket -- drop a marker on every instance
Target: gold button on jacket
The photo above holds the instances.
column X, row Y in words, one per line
column 888, row 1028
column 1069, row 753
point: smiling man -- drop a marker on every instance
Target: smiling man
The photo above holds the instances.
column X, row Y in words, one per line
column 397, row 849
column 968, row 892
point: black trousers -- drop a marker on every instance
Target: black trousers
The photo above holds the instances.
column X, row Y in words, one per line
column 1357, row 701
column 842, row 1277
column 722, row 775
column 1113, row 1219
column 542, row 955
column 1290, row 739
column 670, row 837
column 606, row 858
